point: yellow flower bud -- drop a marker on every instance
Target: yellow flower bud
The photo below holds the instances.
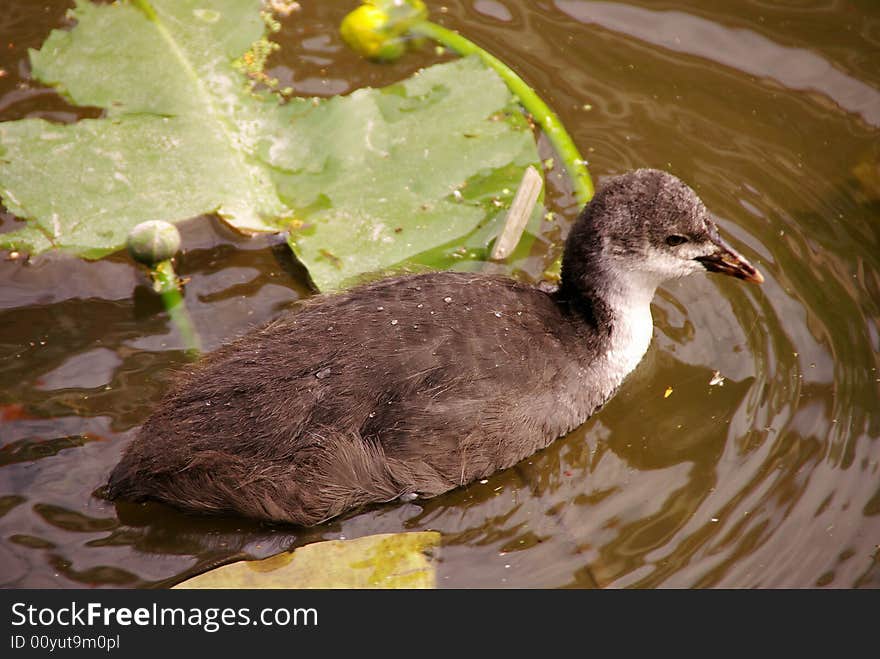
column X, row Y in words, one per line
column 377, row 29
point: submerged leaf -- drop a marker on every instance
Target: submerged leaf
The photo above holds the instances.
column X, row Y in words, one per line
column 365, row 182
column 394, row 560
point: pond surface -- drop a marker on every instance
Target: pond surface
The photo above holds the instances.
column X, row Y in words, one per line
column 770, row 479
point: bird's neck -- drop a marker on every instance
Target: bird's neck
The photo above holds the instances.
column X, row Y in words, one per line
column 615, row 305
column 628, row 300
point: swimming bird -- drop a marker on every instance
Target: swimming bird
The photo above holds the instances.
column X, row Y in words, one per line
column 414, row 385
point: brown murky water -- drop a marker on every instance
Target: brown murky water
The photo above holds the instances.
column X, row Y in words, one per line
column 770, row 110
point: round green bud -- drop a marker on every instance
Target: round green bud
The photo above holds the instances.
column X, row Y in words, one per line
column 153, row 241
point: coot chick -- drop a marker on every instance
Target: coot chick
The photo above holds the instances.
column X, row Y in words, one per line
column 415, row 385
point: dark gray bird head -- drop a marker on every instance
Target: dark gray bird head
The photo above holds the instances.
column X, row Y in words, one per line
column 650, row 226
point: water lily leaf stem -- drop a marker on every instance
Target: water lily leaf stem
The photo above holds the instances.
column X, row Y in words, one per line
column 167, row 284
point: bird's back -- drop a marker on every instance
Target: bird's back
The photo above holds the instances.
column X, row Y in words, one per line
column 412, row 384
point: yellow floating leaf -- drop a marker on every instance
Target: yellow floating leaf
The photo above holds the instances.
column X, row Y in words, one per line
column 392, row 560
column 668, row 392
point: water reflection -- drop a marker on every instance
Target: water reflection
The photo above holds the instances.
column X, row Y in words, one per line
column 745, row 50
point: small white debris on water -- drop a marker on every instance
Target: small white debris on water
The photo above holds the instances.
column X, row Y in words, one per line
column 394, row 322
column 119, row 176
column 498, row 314
column 717, row 379
column 368, row 140
column 447, row 299
column 519, row 214
column 484, row 481
column 207, row 15
column 11, row 197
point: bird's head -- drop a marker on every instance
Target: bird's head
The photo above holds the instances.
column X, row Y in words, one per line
column 648, row 224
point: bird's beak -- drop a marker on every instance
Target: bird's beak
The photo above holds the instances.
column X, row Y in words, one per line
column 728, row 261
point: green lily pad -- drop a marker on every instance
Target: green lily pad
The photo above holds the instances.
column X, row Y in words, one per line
column 365, row 183
column 176, row 141
column 394, row 560
column 409, row 168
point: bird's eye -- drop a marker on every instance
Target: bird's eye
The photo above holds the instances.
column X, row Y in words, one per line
column 674, row 241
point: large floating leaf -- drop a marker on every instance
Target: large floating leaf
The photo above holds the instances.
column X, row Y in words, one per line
column 405, row 169
column 364, row 182
column 395, row 560
column 178, row 136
